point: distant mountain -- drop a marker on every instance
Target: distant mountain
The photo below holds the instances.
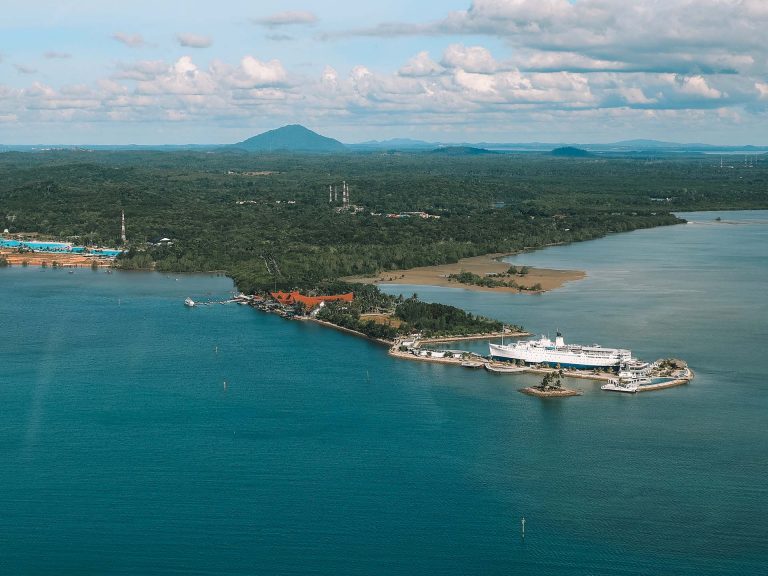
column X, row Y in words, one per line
column 461, row 151
column 570, row 152
column 650, row 144
column 393, row 144
column 292, row 138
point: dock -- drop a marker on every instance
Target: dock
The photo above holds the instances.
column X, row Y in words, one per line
column 685, row 379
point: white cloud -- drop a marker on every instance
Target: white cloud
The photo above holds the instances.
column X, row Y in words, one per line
column 421, row 65
column 130, row 40
column 475, row 59
column 141, row 70
column 472, row 90
column 288, row 18
column 676, row 36
column 194, row 40
column 475, row 82
column 263, row 73
column 697, row 86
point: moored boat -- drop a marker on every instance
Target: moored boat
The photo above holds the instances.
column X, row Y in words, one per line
column 501, row 369
column 470, row 364
column 559, row 354
column 619, row 385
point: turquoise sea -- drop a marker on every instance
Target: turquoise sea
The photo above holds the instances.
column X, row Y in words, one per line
column 141, row 437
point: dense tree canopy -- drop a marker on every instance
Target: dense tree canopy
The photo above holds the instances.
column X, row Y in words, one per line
column 266, row 219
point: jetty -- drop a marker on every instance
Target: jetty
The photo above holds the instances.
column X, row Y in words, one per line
column 239, row 299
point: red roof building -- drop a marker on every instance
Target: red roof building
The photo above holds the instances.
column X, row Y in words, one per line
column 293, row 297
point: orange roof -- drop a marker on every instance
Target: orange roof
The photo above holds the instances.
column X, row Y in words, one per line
column 294, row 297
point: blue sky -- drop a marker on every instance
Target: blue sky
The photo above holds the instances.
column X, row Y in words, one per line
column 171, row 71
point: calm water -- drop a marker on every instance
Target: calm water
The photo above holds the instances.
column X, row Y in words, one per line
column 124, row 453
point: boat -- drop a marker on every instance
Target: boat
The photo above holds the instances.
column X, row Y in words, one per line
column 619, row 385
column 189, row 302
column 470, row 364
column 559, row 354
column 501, row 369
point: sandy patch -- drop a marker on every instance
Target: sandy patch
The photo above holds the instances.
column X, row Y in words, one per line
column 480, row 265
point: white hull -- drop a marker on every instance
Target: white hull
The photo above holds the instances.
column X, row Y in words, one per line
column 544, row 351
column 627, row 388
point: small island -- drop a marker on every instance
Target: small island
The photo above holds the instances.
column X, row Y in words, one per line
column 551, row 387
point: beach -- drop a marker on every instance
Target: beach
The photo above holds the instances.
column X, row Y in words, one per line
column 548, row 279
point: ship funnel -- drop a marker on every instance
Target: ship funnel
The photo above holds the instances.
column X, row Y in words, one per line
column 559, row 340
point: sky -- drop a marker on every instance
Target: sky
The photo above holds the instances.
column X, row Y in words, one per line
column 572, row 71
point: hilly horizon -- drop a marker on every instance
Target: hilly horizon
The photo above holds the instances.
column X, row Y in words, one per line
column 298, row 138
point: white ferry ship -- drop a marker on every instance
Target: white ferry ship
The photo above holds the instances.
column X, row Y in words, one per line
column 545, row 351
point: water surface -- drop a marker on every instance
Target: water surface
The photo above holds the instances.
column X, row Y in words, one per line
column 142, row 437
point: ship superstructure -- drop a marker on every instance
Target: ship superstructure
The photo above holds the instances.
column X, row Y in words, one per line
column 558, row 353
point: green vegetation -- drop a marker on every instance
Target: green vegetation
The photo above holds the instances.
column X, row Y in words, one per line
column 570, row 152
column 494, row 281
column 265, row 219
column 348, row 316
column 413, row 316
column 551, row 381
column 441, row 320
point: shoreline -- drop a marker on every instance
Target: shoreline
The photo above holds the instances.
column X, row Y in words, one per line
column 484, row 265
column 562, row 393
column 62, row 259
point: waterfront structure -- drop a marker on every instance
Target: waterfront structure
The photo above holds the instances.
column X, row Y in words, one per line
column 309, row 302
column 558, row 353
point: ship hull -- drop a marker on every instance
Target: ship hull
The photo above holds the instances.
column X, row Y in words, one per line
column 554, row 357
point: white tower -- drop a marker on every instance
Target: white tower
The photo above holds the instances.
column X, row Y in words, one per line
column 122, row 227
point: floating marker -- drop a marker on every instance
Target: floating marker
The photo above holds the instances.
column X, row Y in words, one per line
column 522, row 526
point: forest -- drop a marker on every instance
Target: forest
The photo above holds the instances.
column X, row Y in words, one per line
column 266, row 220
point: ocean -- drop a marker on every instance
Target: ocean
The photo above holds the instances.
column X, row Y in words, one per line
column 143, row 437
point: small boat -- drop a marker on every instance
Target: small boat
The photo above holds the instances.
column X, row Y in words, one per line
column 619, row 385
column 501, row 369
column 189, row 302
column 470, row 364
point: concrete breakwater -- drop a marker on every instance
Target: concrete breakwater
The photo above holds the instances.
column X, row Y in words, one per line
column 685, row 379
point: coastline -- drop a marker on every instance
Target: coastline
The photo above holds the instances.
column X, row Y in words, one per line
column 62, row 259
column 548, row 279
